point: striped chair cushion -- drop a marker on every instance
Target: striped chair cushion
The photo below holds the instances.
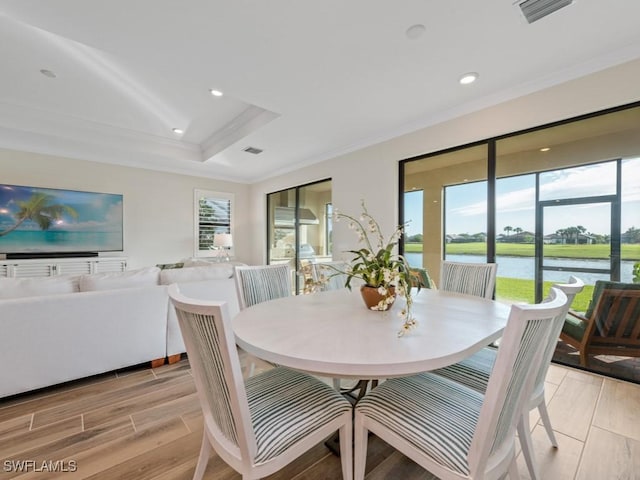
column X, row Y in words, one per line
column 286, row 406
column 473, row 371
column 262, row 284
column 471, row 279
column 436, row 415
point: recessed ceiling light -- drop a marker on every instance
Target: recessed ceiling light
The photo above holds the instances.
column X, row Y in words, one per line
column 545, row 149
column 468, row 78
column 177, row 131
column 415, row 31
column 47, row 73
column 215, row 93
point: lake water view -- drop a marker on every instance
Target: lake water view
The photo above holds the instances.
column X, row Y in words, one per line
column 524, row 267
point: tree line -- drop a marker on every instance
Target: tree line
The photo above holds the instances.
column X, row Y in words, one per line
column 567, row 235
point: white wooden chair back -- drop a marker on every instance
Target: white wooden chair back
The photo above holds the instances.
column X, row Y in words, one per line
column 257, row 284
column 208, row 336
column 511, row 381
column 477, row 279
column 571, row 289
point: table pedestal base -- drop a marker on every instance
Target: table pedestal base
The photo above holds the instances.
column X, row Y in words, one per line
column 354, row 395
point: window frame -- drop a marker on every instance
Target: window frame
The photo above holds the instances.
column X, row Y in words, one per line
column 198, row 194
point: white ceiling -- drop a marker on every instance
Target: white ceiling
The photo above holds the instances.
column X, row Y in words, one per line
column 303, row 80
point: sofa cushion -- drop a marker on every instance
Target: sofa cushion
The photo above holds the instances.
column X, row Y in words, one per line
column 195, row 274
column 574, row 327
column 143, row 277
column 30, row 287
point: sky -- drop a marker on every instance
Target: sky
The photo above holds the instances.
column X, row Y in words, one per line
column 466, row 206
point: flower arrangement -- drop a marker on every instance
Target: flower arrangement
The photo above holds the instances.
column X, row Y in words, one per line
column 377, row 266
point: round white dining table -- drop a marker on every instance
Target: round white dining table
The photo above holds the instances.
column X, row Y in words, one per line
column 333, row 334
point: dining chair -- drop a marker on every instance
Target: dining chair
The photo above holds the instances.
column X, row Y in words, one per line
column 330, row 274
column 475, row 372
column 450, row 429
column 259, row 425
column 257, row 284
column 260, row 283
column 477, row 279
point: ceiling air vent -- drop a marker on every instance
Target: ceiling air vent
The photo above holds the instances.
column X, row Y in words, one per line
column 253, row 150
column 534, row 10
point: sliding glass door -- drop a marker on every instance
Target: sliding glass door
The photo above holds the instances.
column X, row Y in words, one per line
column 299, row 228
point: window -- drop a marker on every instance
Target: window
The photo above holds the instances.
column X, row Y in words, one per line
column 213, row 215
column 546, row 203
column 299, row 228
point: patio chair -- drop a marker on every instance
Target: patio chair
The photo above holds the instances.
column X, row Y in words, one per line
column 453, row 431
column 256, row 284
column 420, row 278
column 611, row 324
column 475, row 372
column 259, row 425
column 477, row 279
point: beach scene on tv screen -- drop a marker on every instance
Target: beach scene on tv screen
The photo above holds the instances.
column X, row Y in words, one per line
column 41, row 220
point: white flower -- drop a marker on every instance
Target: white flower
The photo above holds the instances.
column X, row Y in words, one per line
column 382, row 290
column 387, row 274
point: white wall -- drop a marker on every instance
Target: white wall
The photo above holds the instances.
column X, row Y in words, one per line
column 372, row 173
column 158, row 206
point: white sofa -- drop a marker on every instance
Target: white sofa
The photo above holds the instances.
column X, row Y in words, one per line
column 213, row 282
column 57, row 329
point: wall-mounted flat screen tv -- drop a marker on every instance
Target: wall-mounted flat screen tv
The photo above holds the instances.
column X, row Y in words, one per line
column 40, row 221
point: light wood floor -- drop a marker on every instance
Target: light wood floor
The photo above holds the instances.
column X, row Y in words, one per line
column 146, row 424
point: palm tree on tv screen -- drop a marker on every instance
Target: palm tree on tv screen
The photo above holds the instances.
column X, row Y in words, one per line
column 40, row 210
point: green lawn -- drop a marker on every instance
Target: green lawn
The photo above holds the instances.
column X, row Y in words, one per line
column 521, row 290
column 599, row 251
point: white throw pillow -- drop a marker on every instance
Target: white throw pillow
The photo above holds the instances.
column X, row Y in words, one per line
column 142, row 277
column 31, row 287
column 195, row 274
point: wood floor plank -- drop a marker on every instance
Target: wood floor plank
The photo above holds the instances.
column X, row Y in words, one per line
column 158, row 461
column 65, row 393
column 104, row 456
column 139, row 403
column 175, row 369
column 71, row 446
column 193, row 419
column 11, row 444
column 619, row 408
column 15, row 425
column 399, row 466
column 165, row 441
column 572, row 406
column 118, row 393
column 185, row 405
column 377, row 451
column 315, row 463
column 556, row 374
column 609, row 455
column 583, row 376
column 552, row 463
